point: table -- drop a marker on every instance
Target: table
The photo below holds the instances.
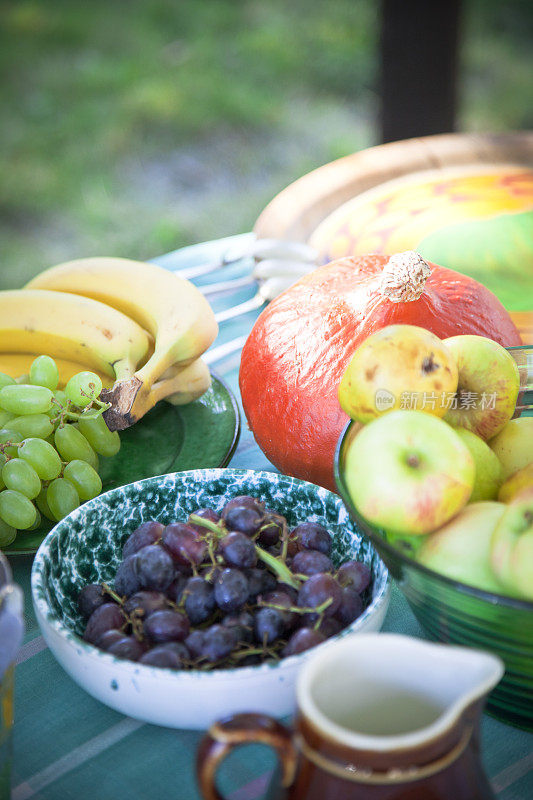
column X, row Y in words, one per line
column 68, row 745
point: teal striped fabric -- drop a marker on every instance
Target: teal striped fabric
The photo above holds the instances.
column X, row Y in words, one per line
column 68, row 745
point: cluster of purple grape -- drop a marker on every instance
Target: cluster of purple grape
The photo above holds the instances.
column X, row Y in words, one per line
column 223, row 590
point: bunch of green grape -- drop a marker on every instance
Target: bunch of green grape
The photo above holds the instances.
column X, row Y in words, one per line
column 50, row 440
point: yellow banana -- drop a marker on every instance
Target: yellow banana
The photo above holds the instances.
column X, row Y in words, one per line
column 194, row 381
column 73, row 328
column 17, row 364
column 179, row 385
column 170, row 308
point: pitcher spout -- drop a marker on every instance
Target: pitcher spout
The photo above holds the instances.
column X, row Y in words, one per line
column 394, row 692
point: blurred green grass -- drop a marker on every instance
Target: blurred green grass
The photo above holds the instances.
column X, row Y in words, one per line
column 134, row 127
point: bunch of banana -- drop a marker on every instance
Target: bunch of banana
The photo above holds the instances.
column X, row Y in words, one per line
column 73, row 328
column 145, row 303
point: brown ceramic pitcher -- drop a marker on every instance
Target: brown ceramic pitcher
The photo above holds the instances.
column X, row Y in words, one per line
column 379, row 717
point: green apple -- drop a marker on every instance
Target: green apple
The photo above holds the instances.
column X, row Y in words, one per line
column 408, row 472
column 514, row 445
column 488, row 468
column 519, row 480
column 400, row 366
column 461, row 548
column 511, row 551
column 488, row 385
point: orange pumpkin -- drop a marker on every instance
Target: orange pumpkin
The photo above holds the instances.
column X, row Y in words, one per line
column 298, row 349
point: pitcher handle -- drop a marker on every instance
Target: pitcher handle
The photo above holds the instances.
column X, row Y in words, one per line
column 227, row 734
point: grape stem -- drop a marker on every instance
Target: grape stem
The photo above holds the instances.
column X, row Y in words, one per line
column 298, row 609
column 278, row 567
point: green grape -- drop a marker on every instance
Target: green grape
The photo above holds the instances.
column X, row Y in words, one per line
column 7, row 435
column 42, row 456
column 17, row 510
column 38, row 425
column 5, row 416
column 44, row 372
column 7, row 534
column 26, row 399
column 6, row 380
column 95, row 430
column 42, row 504
column 20, row 476
column 58, row 404
column 84, row 478
column 62, row 498
column 72, row 444
column 38, row 521
column 23, row 379
column 83, row 388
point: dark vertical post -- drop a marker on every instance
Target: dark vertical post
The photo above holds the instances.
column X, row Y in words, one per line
column 418, row 58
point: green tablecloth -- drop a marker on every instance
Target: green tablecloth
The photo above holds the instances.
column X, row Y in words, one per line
column 68, row 745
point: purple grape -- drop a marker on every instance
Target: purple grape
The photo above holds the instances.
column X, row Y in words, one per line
column 238, row 550
column 241, row 624
column 243, row 519
column 179, row 648
column 319, row 588
column 356, row 574
column 171, row 654
column 199, row 600
column 330, row 626
column 271, row 530
column 243, row 501
column 268, row 625
column 154, row 568
column 108, row 638
column 289, row 590
column 351, row 606
column 104, row 618
column 126, row 580
column 280, row 598
column 184, row 544
column 127, row 647
column 194, row 643
column 145, row 534
column 175, row 590
column 260, row 581
column 311, row 562
column 231, row 590
column 302, row 639
column 218, row 643
column 313, row 536
column 145, row 603
column 206, row 513
column 158, row 657
column 167, row 626
column 90, row 598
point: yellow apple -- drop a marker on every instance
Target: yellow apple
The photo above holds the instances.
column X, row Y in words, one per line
column 521, row 479
column 488, row 385
column 512, row 546
column 408, row 472
column 488, row 468
column 461, row 548
column 398, row 367
column 514, row 445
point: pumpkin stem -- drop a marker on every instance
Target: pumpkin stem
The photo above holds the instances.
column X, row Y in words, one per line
column 404, row 277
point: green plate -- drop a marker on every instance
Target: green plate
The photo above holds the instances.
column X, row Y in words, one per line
column 169, row 438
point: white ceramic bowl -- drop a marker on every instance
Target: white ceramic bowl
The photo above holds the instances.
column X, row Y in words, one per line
column 86, row 546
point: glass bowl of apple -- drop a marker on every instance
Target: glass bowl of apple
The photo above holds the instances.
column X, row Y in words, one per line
column 436, row 467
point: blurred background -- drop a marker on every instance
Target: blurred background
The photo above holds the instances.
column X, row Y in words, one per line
column 135, row 127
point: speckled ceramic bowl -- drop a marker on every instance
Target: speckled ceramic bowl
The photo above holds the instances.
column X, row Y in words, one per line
column 86, row 547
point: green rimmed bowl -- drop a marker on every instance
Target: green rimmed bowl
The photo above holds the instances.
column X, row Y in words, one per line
column 453, row 612
column 86, row 547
